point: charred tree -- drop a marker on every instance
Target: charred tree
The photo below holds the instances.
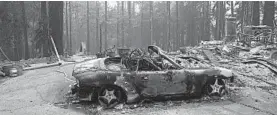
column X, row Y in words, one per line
column 268, row 13
column 70, row 28
column 122, row 24
column 97, row 26
column 168, row 27
column 191, row 40
column 129, row 24
column 141, row 23
column 182, row 28
column 202, row 22
column 151, row 21
column 56, row 23
column 26, row 48
column 66, row 26
column 220, row 19
column 44, row 30
column 207, row 21
column 256, row 13
column 106, row 20
column 232, row 8
column 177, row 36
column 88, row 34
column 117, row 24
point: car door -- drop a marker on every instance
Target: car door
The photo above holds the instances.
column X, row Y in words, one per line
column 154, row 83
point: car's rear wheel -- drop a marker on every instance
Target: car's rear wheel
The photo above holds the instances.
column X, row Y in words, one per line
column 110, row 96
column 215, row 88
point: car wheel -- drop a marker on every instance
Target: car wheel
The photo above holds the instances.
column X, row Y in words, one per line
column 110, row 96
column 215, row 88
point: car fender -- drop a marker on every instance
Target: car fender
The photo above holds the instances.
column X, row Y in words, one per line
column 129, row 89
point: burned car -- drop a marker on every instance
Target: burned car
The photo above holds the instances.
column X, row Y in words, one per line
column 128, row 79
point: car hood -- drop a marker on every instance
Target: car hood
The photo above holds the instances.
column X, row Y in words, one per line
column 94, row 64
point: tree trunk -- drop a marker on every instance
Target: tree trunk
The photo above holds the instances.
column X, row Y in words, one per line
column 56, row 23
column 26, row 49
column 106, row 20
column 220, row 20
column 88, row 37
column 242, row 15
column 97, row 26
column 177, row 36
column 182, row 28
column 66, row 26
column 122, row 24
column 268, row 13
column 117, row 24
column 203, row 19
column 129, row 24
column 151, row 22
column 101, row 37
column 70, row 28
column 222, row 15
column 133, row 42
column 232, row 8
column 217, row 20
column 141, row 25
column 168, row 26
column 191, row 27
column 207, row 22
column 256, row 13
column 45, row 45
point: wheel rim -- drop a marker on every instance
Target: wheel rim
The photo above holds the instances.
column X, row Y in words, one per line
column 109, row 97
column 216, row 88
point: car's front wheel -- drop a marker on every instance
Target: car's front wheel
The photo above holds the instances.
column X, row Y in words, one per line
column 110, row 96
column 215, row 88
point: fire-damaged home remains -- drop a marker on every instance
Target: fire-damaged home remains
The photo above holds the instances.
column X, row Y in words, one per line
column 137, row 74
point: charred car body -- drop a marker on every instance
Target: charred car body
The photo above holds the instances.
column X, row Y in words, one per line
column 113, row 80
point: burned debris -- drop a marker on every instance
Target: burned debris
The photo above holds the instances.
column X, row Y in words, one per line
column 135, row 74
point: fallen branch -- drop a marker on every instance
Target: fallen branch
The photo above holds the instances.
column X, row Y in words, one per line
column 264, row 63
column 39, row 67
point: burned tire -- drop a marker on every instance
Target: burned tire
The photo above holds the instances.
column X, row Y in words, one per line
column 215, row 88
column 109, row 96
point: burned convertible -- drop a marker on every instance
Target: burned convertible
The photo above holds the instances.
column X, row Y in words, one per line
column 138, row 75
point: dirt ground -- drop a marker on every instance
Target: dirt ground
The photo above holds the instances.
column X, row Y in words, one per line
column 44, row 92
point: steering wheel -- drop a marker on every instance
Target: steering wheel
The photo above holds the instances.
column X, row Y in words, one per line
column 137, row 53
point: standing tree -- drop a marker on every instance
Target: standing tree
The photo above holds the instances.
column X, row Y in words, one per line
column 207, row 21
column 122, row 24
column 117, row 24
column 26, row 48
column 268, row 13
column 177, row 36
column 191, row 26
column 151, row 22
column 70, row 28
column 88, row 37
column 168, row 26
column 56, row 23
column 129, row 40
column 66, row 26
column 220, row 19
column 256, row 13
column 44, row 28
column 232, row 8
column 106, row 20
column 97, row 25
column 141, row 23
